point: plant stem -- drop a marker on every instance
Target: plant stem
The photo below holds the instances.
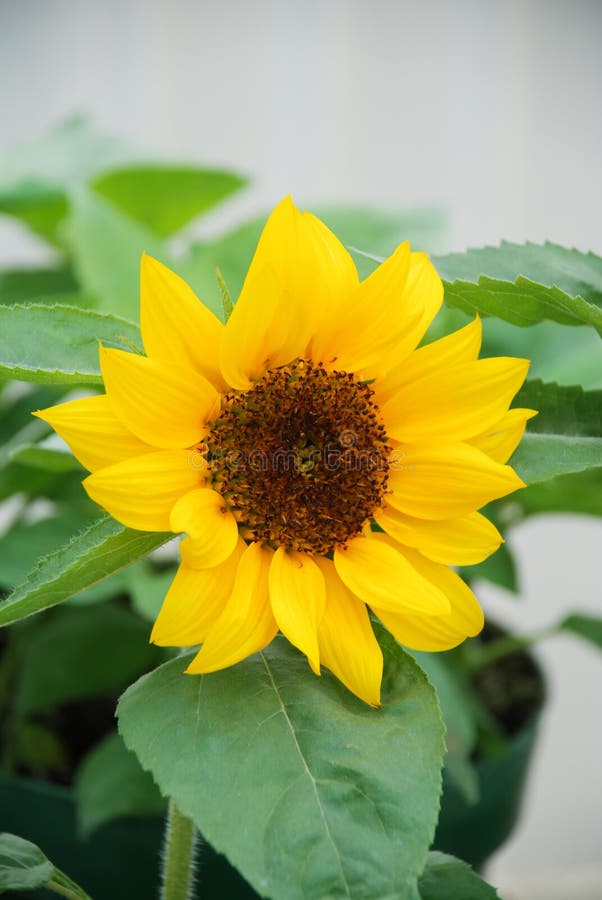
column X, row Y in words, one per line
column 53, row 885
column 503, row 646
column 178, row 856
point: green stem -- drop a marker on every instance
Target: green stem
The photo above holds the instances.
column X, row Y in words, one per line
column 503, row 646
column 178, row 856
column 64, row 891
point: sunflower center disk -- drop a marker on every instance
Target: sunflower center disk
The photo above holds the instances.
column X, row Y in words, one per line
column 301, row 457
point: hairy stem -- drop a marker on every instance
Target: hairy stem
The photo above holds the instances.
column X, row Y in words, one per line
column 178, row 856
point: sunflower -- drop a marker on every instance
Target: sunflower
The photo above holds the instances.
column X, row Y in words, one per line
column 318, row 462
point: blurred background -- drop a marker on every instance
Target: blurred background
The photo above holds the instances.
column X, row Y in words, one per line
column 481, row 119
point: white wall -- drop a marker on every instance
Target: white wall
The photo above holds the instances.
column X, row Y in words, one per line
column 489, row 108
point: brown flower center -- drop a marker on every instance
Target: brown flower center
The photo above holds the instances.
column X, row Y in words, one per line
column 301, row 457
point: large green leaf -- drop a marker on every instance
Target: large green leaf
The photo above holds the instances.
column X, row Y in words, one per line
column 309, row 792
column 65, row 349
column 110, row 783
column 84, row 638
column 104, row 548
column 448, row 878
column 164, row 198
column 23, row 867
column 525, row 283
column 106, row 246
column 565, row 437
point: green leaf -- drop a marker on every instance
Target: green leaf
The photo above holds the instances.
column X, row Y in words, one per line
column 110, row 784
column 554, row 355
column 45, row 456
column 18, row 285
column 17, row 404
column 84, row 639
column 148, row 589
column 66, row 346
column 25, row 542
column 164, row 198
column 37, row 176
column 104, row 548
column 525, row 283
column 309, row 792
column 543, row 456
column 561, row 409
column 23, row 867
column 585, row 626
column 448, row 878
column 565, row 437
column 106, row 246
column 580, row 492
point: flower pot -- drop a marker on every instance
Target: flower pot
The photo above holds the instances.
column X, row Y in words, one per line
column 119, row 861
column 475, row 831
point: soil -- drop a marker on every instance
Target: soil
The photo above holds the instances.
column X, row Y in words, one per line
column 511, row 688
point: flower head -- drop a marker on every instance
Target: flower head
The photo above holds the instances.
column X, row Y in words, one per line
column 318, row 462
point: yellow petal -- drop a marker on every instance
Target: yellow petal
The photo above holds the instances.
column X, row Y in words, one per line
column 457, row 403
column 459, row 347
column 458, row 542
column 194, row 602
column 380, row 575
column 246, row 624
column 207, row 518
column 440, row 480
column 165, row 405
column 95, row 435
column 501, row 440
column 355, row 338
column 141, row 491
column 258, row 330
column 424, row 291
column 298, row 597
column 176, row 327
column 300, row 271
column 433, row 633
column 347, row 643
